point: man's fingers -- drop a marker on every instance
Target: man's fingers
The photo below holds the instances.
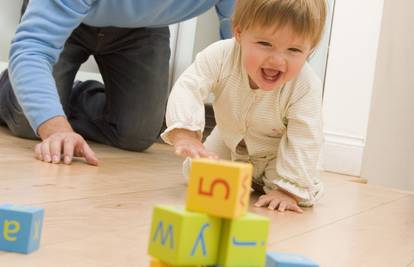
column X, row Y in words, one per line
column 89, row 154
column 38, row 151
column 45, row 150
column 55, row 149
column 68, row 150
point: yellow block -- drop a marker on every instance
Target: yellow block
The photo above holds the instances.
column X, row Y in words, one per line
column 219, row 188
column 244, row 241
column 158, row 263
column 180, row 237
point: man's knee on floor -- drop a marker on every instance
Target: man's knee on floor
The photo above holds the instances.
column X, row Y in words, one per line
column 134, row 142
column 22, row 130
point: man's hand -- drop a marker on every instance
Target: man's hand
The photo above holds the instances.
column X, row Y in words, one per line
column 280, row 200
column 59, row 139
column 187, row 144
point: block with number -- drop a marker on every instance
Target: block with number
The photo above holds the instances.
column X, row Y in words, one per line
column 243, row 241
column 20, row 228
column 181, row 237
column 158, row 263
column 219, row 188
column 275, row 259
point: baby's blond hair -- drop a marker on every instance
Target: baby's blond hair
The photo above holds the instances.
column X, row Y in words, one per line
column 305, row 17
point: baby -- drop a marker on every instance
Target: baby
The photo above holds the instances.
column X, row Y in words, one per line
column 267, row 100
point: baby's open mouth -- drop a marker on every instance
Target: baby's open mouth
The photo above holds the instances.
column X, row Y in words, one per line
column 270, row 74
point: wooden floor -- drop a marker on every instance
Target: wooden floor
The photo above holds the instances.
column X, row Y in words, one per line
column 100, row 216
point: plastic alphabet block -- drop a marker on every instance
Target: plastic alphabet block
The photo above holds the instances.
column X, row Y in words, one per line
column 181, row 237
column 20, row 228
column 244, row 241
column 219, row 188
column 275, row 259
column 158, row 263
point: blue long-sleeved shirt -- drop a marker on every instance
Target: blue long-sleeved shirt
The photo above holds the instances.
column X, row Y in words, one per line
column 47, row 24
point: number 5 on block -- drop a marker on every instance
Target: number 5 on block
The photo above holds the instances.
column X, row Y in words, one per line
column 219, row 188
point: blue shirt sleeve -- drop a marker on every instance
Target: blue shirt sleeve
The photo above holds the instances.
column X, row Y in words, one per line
column 38, row 41
column 224, row 9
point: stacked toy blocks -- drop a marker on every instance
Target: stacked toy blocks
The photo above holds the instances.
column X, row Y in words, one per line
column 20, row 228
column 214, row 228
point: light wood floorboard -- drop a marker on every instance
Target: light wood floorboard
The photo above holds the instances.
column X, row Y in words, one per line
column 100, row 216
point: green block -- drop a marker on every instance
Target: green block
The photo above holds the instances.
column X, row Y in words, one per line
column 244, row 241
column 180, row 237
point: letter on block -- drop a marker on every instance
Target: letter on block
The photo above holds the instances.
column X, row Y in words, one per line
column 219, row 188
column 20, row 228
column 275, row 259
column 180, row 237
column 244, row 241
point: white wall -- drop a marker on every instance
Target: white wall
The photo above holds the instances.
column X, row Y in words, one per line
column 389, row 153
column 349, row 82
column 9, row 17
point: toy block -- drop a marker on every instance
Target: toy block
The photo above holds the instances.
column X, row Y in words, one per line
column 219, row 188
column 181, row 237
column 276, row 259
column 243, row 241
column 158, row 263
column 20, row 228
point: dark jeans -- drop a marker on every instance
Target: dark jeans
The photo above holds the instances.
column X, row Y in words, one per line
column 126, row 112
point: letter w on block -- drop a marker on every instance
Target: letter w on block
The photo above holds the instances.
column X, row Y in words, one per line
column 219, row 188
column 164, row 237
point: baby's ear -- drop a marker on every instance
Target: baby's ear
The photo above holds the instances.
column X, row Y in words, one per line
column 237, row 33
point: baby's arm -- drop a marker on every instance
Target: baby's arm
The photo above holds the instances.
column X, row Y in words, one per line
column 188, row 144
column 296, row 162
column 185, row 110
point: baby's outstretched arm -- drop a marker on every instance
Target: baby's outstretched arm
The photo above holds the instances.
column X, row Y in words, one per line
column 280, row 200
column 187, row 144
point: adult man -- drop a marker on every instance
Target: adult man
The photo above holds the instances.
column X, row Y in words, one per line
column 130, row 42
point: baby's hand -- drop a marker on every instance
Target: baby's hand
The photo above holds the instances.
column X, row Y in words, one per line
column 280, row 200
column 187, row 144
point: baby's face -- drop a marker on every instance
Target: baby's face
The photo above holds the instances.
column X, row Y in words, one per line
column 272, row 57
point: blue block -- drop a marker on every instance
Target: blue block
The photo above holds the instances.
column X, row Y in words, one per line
column 20, row 228
column 275, row 259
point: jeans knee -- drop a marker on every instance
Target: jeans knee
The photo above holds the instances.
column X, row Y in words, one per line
column 22, row 130
column 134, row 142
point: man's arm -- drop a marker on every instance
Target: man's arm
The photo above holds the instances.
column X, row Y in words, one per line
column 39, row 39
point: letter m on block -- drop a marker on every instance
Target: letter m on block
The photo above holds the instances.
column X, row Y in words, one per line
column 168, row 234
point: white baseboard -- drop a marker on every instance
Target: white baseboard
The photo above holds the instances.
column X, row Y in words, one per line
column 342, row 153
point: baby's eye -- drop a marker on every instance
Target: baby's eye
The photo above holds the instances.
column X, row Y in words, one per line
column 295, row 50
column 262, row 43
